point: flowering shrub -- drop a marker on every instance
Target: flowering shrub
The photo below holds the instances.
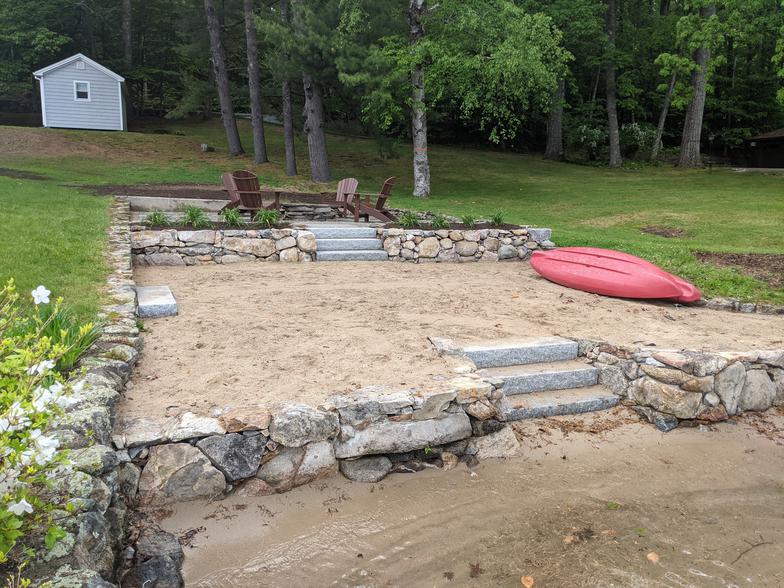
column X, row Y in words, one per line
column 32, row 392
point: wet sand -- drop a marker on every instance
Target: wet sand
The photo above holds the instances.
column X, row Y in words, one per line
column 269, row 333
column 623, row 505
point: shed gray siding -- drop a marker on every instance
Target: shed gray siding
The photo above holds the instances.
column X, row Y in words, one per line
column 104, row 110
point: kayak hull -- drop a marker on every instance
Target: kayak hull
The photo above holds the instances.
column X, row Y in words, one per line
column 611, row 273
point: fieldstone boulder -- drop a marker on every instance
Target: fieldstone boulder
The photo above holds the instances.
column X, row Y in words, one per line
column 68, row 577
column 729, row 386
column 163, row 259
column 95, row 460
column 290, row 255
column 81, row 491
column 236, row 455
column 366, row 469
column 257, row 247
column 758, row 391
column 501, row 444
column 612, row 377
column 177, row 472
column 297, row 424
column 433, row 405
column 93, row 546
column 677, row 377
column 664, row 422
column 87, row 425
column 191, row 426
column 778, row 381
column 246, row 419
column 713, row 414
column 138, row 431
column 507, row 252
column 666, row 398
column 429, row 247
column 279, row 471
column 398, row 437
column 154, row 541
column 285, row 243
column 467, row 248
column 306, row 241
column 205, row 236
column 318, row 462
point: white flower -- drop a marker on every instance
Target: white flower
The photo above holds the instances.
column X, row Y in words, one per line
column 5, row 425
column 46, row 446
column 40, row 368
column 40, row 295
column 18, row 508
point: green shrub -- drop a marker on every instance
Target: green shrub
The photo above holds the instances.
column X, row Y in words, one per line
column 232, row 217
column 32, row 392
column 439, row 222
column 157, row 219
column 497, row 219
column 196, row 217
column 62, row 328
column 468, row 220
column 409, row 220
column 267, row 218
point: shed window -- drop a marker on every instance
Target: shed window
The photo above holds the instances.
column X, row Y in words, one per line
column 82, row 91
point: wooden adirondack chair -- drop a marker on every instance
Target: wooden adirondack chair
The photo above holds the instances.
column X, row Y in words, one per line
column 378, row 210
column 245, row 193
column 343, row 197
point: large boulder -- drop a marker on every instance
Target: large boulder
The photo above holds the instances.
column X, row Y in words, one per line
column 298, row 424
column 665, row 398
column 759, row 392
column 729, row 386
column 501, row 444
column 318, row 462
column 279, row 471
column 778, row 381
column 177, row 472
column 366, row 469
column 238, row 456
column 401, row 436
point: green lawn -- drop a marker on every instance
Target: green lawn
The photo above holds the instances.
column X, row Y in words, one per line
column 720, row 211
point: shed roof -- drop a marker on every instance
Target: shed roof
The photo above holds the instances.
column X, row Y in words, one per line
column 777, row 134
column 45, row 70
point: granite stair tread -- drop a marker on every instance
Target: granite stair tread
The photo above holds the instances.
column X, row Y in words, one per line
column 560, row 402
column 521, row 351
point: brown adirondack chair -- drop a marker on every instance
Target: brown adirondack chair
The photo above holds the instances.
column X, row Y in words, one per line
column 343, row 197
column 245, row 193
column 378, row 210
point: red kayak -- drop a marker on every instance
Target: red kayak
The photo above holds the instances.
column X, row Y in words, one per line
column 611, row 273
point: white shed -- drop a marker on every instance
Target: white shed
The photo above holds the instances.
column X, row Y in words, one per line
column 79, row 93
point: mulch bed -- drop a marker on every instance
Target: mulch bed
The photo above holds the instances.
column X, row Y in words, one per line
column 20, row 175
column 664, row 232
column 766, row 267
column 212, row 227
column 459, row 226
column 196, row 191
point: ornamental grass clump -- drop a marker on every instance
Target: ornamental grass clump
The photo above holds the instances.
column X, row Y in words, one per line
column 409, row 220
column 267, row 218
column 196, row 217
column 468, row 220
column 439, row 221
column 497, row 219
column 157, row 219
column 232, row 217
column 32, row 392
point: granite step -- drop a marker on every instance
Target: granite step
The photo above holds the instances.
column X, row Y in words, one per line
column 334, row 232
column 562, row 402
column 361, row 255
column 155, row 302
column 348, row 244
column 561, row 375
column 508, row 353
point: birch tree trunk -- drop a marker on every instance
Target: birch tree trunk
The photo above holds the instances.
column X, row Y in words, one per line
column 663, row 118
column 285, row 99
column 222, row 79
column 314, row 130
column 254, row 90
column 416, row 9
column 126, row 26
column 554, row 149
column 612, row 107
column 692, row 127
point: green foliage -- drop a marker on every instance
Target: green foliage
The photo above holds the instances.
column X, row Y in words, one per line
column 156, row 218
column 439, row 221
column 62, row 328
column 267, row 218
column 636, row 140
column 409, row 220
column 468, row 220
column 32, row 392
column 232, row 217
column 498, row 219
column 196, row 217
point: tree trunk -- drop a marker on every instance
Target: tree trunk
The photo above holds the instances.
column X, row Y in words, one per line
column 314, row 130
column 254, row 90
column 554, row 149
column 288, row 118
column 692, row 126
column 222, row 79
column 612, row 109
column 416, row 9
column 127, row 23
column 663, row 117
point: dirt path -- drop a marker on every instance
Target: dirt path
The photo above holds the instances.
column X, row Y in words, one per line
column 626, row 507
column 264, row 333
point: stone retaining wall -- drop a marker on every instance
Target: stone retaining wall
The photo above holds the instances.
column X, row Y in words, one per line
column 464, row 245
column 671, row 386
column 173, row 247
column 365, row 436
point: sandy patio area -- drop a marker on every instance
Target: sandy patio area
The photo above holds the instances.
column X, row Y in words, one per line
column 266, row 333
